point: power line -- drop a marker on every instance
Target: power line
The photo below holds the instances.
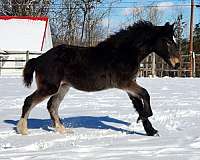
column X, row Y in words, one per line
column 138, row 6
column 124, row 7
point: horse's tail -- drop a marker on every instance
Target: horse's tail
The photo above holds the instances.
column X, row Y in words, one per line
column 28, row 72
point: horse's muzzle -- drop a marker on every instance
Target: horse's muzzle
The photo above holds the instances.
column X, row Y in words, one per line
column 177, row 65
column 174, row 62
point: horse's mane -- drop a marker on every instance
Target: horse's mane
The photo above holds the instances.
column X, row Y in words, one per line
column 137, row 32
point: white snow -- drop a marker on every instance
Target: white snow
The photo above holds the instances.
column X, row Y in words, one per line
column 104, row 124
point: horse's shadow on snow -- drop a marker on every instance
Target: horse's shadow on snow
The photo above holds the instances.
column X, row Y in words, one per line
column 79, row 122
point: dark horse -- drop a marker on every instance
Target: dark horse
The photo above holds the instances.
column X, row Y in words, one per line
column 113, row 63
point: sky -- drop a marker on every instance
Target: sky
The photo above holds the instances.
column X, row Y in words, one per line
column 121, row 13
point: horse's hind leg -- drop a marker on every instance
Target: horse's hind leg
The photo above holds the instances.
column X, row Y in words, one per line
column 137, row 103
column 30, row 102
column 53, row 105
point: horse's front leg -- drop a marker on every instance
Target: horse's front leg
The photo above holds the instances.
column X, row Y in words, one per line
column 141, row 100
column 137, row 92
column 138, row 105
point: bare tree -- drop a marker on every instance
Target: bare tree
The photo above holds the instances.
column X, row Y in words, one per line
column 153, row 14
column 24, row 8
column 94, row 30
column 79, row 22
column 63, row 19
column 88, row 8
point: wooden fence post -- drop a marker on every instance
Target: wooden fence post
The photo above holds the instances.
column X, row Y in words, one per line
column 153, row 69
column 27, row 56
column 194, row 64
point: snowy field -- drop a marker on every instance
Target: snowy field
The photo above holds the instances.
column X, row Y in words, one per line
column 104, row 124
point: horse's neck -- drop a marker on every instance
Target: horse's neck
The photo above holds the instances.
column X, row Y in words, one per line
column 143, row 53
column 144, row 48
column 140, row 50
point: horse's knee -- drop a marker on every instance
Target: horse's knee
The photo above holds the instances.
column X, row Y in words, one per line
column 147, row 112
column 146, row 103
column 144, row 115
column 144, row 94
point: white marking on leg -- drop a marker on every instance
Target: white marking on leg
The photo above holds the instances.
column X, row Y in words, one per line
column 62, row 130
column 22, row 126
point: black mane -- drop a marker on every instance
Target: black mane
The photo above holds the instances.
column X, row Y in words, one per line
column 139, row 31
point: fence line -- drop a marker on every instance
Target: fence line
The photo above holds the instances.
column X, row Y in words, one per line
column 6, row 55
column 162, row 69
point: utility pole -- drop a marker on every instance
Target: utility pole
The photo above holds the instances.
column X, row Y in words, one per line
column 179, row 33
column 191, row 53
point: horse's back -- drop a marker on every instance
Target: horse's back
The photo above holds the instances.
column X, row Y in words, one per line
column 73, row 65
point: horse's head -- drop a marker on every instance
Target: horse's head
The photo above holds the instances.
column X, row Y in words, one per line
column 166, row 46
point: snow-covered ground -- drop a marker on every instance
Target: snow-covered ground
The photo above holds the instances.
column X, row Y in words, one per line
column 104, row 124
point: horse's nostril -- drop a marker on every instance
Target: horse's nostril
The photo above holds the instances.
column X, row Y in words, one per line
column 177, row 65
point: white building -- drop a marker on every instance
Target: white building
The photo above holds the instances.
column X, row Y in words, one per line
column 19, row 35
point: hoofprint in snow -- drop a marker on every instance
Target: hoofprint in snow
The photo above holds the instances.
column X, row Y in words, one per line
column 104, row 124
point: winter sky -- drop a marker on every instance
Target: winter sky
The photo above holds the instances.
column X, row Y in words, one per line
column 122, row 12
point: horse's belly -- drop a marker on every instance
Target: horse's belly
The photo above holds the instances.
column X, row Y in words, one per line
column 89, row 88
column 87, row 83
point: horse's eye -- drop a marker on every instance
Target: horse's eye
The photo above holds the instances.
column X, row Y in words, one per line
column 168, row 44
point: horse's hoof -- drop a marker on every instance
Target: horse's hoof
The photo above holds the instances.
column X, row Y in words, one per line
column 139, row 119
column 22, row 127
column 157, row 135
column 153, row 132
column 62, row 130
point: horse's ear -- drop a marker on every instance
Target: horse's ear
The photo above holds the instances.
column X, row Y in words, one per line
column 167, row 24
column 170, row 27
